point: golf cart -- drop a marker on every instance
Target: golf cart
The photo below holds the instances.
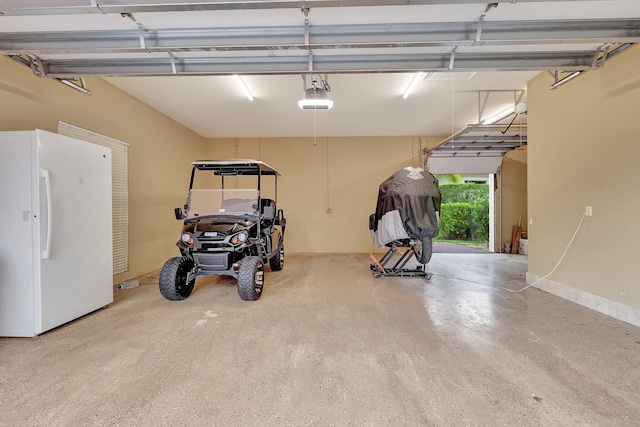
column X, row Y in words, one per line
column 227, row 231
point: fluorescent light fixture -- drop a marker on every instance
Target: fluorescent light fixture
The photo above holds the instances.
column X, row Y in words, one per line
column 416, row 79
column 448, row 76
column 315, row 99
column 244, row 87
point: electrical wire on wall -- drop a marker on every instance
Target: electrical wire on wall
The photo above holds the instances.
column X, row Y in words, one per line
column 329, row 210
column 413, row 152
column 315, row 127
column 559, row 261
column 315, row 145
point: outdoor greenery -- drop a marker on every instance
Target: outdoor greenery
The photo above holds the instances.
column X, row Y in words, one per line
column 463, row 193
column 454, row 220
column 464, row 213
column 480, row 217
column 450, row 178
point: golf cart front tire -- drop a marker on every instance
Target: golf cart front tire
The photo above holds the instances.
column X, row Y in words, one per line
column 250, row 278
column 177, row 278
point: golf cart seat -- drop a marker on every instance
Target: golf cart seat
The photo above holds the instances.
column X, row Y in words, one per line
column 268, row 210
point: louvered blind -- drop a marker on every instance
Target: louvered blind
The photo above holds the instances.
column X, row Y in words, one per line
column 120, row 190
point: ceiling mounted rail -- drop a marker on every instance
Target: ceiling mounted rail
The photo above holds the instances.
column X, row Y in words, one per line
column 74, row 83
column 299, row 64
column 62, row 7
column 480, row 141
column 487, row 138
column 322, row 37
column 604, row 53
column 138, row 48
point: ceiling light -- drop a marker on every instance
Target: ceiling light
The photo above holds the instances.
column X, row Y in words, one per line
column 244, row 87
column 450, row 76
column 416, row 79
column 315, row 99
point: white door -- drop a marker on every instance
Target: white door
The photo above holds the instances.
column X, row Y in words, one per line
column 75, row 229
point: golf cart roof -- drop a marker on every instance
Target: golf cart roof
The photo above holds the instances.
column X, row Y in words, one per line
column 236, row 167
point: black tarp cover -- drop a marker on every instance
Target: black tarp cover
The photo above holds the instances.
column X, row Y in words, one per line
column 414, row 193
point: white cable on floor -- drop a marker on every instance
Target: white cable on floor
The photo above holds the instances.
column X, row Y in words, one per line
column 554, row 268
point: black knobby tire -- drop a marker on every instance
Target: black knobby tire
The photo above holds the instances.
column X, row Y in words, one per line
column 277, row 261
column 177, row 278
column 423, row 249
column 250, row 278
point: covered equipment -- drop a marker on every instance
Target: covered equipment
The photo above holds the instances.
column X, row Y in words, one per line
column 407, row 213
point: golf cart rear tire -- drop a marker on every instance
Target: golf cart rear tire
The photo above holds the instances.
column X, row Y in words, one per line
column 177, row 278
column 250, row 278
column 423, row 249
column 277, row 262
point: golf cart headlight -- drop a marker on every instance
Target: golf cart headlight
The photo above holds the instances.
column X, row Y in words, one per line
column 187, row 238
column 239, row 238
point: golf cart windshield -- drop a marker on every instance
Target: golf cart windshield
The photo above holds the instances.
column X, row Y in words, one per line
column 222, row 202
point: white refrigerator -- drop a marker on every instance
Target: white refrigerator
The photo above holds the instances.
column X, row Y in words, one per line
column 55, row 231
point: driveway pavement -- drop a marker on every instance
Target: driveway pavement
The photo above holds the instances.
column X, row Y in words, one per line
column 451, row 248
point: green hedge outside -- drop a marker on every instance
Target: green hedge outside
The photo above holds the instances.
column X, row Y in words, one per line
column 464, row 214
column 480, row 217
column 463, row 193
column 454, row 221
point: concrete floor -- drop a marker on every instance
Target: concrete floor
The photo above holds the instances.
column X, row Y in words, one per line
column 329, row 345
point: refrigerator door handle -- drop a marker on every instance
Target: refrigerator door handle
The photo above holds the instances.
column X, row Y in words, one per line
column 47, row 185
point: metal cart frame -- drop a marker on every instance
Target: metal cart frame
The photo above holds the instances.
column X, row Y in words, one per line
column 398, row 269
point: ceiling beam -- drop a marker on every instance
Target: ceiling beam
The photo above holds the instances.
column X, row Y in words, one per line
column 299, row 64
column 317, row 37
column 62, row 7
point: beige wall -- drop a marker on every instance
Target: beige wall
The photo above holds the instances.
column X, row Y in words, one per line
column 160, row 151
column 583, row 150
column 340, row 174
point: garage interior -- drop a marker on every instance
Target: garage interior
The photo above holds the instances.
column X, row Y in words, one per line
column 328, row 344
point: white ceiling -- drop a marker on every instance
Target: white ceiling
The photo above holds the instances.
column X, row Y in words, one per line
column 368, row 104
column 364, row 104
